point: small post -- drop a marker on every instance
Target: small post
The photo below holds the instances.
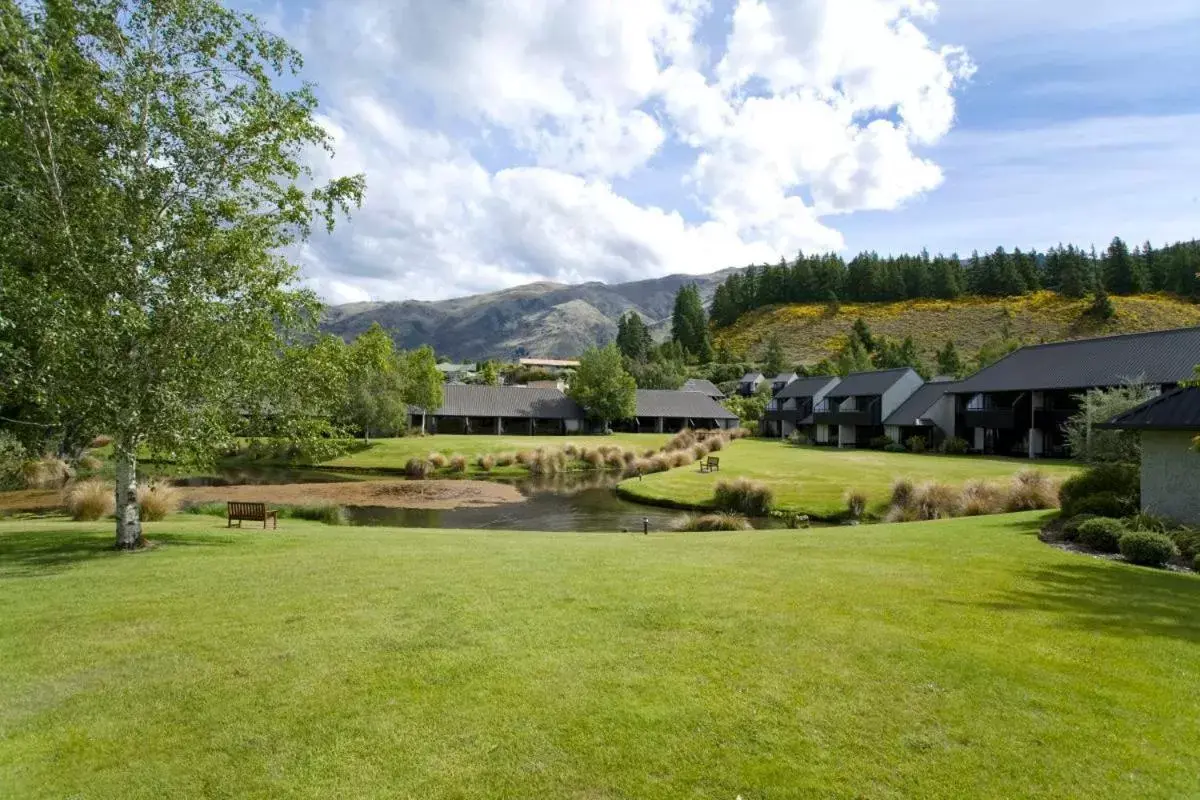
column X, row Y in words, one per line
column 645, row 526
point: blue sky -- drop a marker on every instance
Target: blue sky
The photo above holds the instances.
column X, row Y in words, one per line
column 511, row 141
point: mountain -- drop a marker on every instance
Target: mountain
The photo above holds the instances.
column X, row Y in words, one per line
column 550, row 320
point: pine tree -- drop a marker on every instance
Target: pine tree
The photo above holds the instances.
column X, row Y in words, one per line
column 853, row 358
column 949, row 362
column 774, row 359
column 1122, row 273
column 1102, row 306
column 633, row 337
column 689, row 324
column 862, row 333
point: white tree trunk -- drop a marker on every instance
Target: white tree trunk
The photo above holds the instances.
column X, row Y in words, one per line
column 129, row 521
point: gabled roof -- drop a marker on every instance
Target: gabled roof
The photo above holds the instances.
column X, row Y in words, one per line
column 1157, row 357
column 702, row 386
column 806, row 387
column 690, row 405
column 520, row 402
column 784, row 377
column 869, row 383
column 752, row 377
column 456, row 367
column 917, row 406
column 1176, row 410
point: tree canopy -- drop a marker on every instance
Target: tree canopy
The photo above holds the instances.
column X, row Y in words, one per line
column 689, row 324
column 154, row 159
column 602, row 387
column 633, row 337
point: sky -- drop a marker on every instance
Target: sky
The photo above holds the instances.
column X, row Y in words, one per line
column 506, row 142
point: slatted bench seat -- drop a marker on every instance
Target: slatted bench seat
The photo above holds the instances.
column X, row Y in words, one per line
column 711, row 464
column 254, row 512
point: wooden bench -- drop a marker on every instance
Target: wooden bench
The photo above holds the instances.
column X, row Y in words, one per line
column 254, row 512
column 711, row 464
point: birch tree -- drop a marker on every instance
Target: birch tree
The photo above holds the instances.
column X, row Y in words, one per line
column 153, row 172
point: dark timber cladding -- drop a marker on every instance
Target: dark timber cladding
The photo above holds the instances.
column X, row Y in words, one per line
column 1177, row 410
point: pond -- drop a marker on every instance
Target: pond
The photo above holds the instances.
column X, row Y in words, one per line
column 583, row 502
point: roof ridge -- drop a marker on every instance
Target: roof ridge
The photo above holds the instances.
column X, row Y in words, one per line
column 1134, row 335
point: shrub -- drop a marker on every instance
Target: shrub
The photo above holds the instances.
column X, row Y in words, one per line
column 327, row 513
column 458, row 463
column 744, row 496
column 1104, row 504
column 916, row 444
column 1031, row 490
column 1147, row 549
column 90, row 463
column 12, row 459
column 954, row 446
column 856, row 504
column 1070, row 528
column 156, row 500
column 895, row 448
column 713, row 522
column 1196, row 563
column 716, row 444
column 417, row 468
column 1103, row 535
column 437, row 460
column 980, row 498
column 1119, row 480
column 506, row 459
column 902, row 492
column 486, row 462
column 880, row 442
column 1145, row 521
column 937, row 501
column 90, row 500
column 1188, row 542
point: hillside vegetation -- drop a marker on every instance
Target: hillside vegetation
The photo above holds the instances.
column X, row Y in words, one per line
column 808, row 332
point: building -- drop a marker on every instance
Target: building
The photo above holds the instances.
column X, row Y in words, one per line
column 1168, row 425
column 660, row 411
column 927, row 413
column 1018, row 405
column 792, row 408
column 502, row 409
column 780, row 382
column 750, row 382
column 457, row 373
column 549, row 364
column 706, row 388
column 852, row 413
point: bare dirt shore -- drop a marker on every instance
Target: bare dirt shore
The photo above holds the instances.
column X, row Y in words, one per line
column 389, row 494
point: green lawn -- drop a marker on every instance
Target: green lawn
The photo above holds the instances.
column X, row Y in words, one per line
column 935, row 660
column 812, row 480
column 394, row 453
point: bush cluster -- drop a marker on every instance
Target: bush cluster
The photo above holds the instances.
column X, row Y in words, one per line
column 1117, row 486
column 1147, row 548
column 1101, row 534
column 916, row 444
column 881, row 442
column 1027, row 491
column 954, row 446
column 12, row 457
column 744, row 496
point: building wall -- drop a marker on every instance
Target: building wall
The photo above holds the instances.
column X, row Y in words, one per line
column 900, row 391
column 847, row 436
column 942, row 414
column 1171, row 475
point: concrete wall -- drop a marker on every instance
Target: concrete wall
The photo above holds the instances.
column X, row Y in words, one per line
column 1171, row 475
column 900, row 391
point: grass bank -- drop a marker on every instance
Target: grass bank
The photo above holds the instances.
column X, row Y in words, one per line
column 937, row 660
column 814, row 480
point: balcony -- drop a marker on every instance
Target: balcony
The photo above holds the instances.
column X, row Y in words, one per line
column 1052, row 419
column 983, row 412
column 828, row 413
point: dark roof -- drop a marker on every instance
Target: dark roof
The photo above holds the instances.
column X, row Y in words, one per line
column 869, row 383
column 507, row 401
column 704, row 387
column 1176, row 410
column 751, row 377
column 1155, row 358
column 915, row 407
column 805, row 387
column 690, row 405
column 784, row 377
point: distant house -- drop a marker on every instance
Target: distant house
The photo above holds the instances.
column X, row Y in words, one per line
column 750, row 382
column 852, row 413
column 1170, row 464
column 792, row 408
column 706, row 388
column 457, row 373
column 660, row 411
column 549, row 364
column 1019, row 404
column 500, row 410
column 780, row 381
column 927, row 413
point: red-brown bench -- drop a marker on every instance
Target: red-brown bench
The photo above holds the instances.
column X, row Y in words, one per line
column 253, row 512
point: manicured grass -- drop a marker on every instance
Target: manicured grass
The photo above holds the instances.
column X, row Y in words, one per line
column 935, row 660
column 394, row 453
column 814, row 480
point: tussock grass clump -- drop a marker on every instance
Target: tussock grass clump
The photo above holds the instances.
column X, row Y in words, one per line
column 981, row 498
column 740, row 433
column 659, row 463
column 936, row 501
column 548, row 462
column 101, row 441
column 47, row 472
column 712, row 522
column 615, row 458
column 714, row 444
column 437, row 460
column 90, row 463
column 486, row 462
column 1031, row 490
column 856, row 504
column 683, row 458
column 157, row 499
column 680, row 441
column 458, row 463
column 526, row 457
column 593, row 458
column 506, row 459
column 418, row 468
column 572, row 450
column 744, row 496
column 629, row 456
column 902, row 492
column 649, row 453
column 90, row 500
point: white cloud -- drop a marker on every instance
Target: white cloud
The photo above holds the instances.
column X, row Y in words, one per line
column 492, row 133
